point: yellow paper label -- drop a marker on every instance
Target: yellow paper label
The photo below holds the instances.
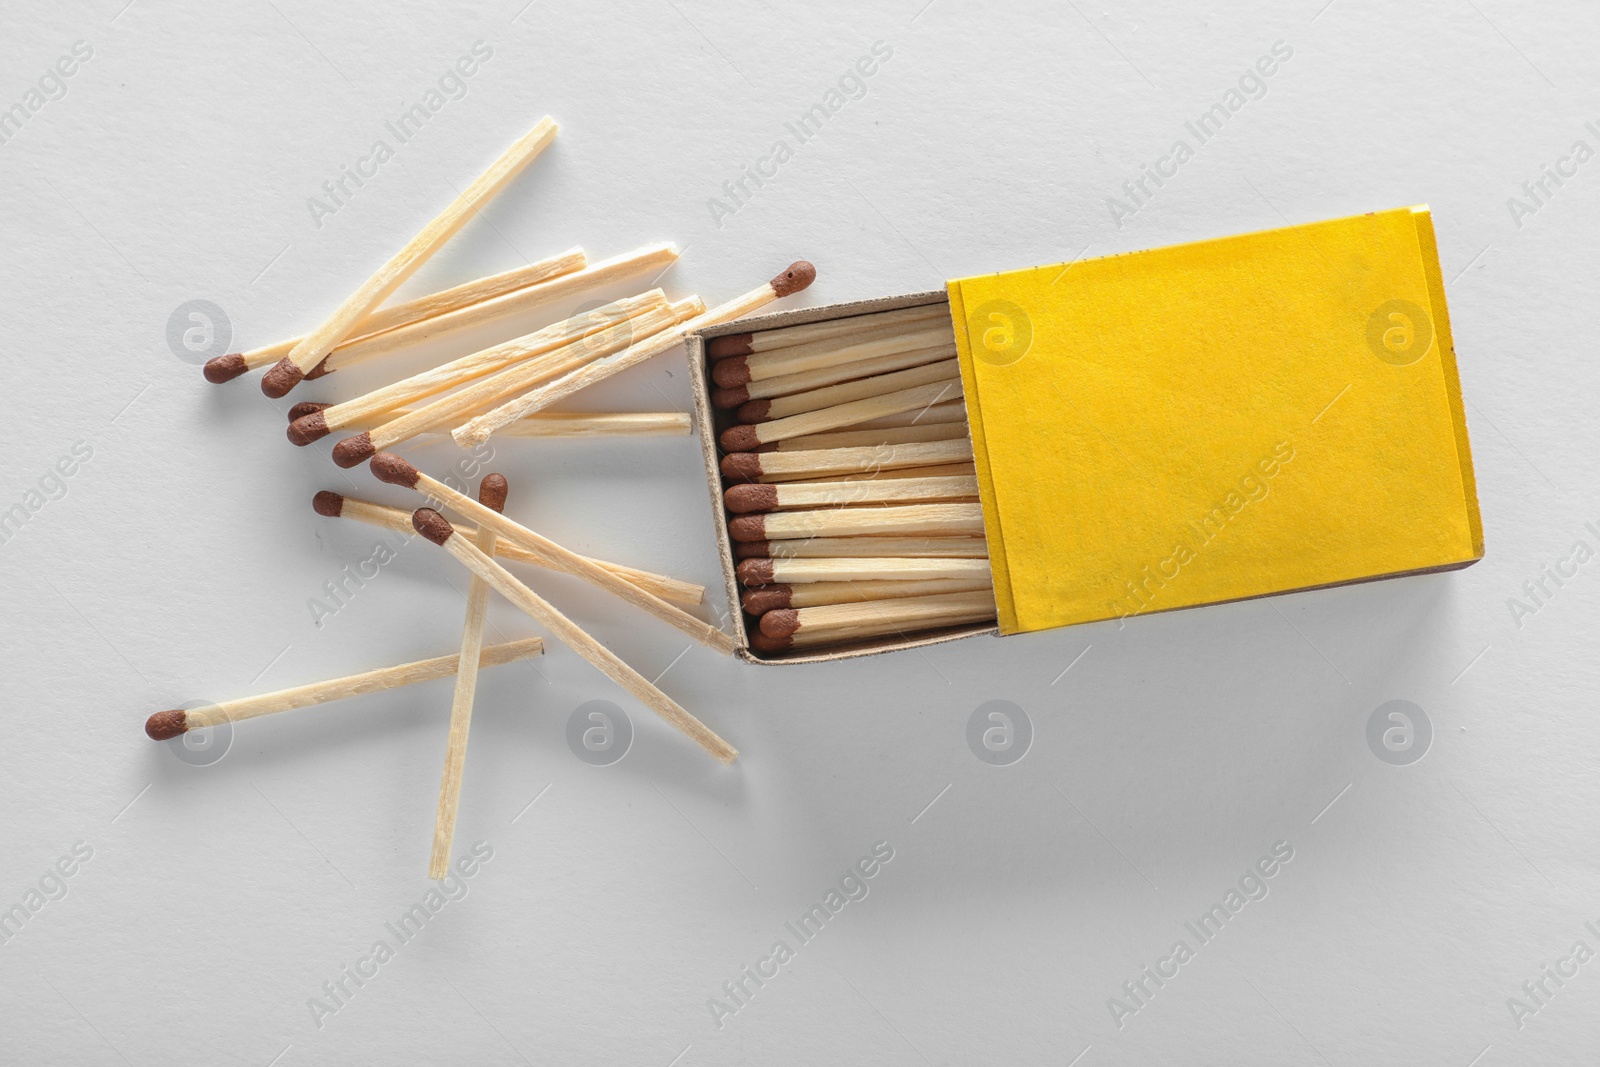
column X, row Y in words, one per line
column 1217, row 420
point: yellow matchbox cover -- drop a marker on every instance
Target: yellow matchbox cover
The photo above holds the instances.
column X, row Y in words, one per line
column 1217, row 420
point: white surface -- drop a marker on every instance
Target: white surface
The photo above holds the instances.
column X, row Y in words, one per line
column 1173, row 753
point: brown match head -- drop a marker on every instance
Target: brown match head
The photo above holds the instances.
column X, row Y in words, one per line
column 492, row 491
column 748, row 528
column 743, row 499
column 328, row 503
column 354, row 450
column 741, row 466
column 432, row 525
column 164, row 725
column 781, row 623
column 754, row 411
column 320, row 369
column 799, row 275
column 306, row 407
column 739, row 439
column 756, row 571
column 763, row 643
column 283, row 377
column 729, row 398
column 761, row 601
column 308, row 428
column 226, row 368
column 732, row 372
column 390, row 468
column 735, row 344
column 752, row 549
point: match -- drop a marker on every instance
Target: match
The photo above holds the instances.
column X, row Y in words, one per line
column 747, row 437
column 743, row 344
column 791, row 628
column 310, row 350
column 865, row 547
column 816, row 379
column 797, row 277
column 333, row 506
column 773, row 597
column 558, row 423
column 226, row 368
column 420, row 386
column 739, row 370
column 898, row 435
column 942, row 371
column 949, row 411
column 168, row 724
column 435, row 528
column 746, row 498
column 762, row 466
column 491, row 494
column 946, row 520
column 392, row 469
column 779, row 571
column 509, row 382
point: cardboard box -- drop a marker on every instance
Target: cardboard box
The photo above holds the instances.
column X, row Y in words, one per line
column 1198, row 424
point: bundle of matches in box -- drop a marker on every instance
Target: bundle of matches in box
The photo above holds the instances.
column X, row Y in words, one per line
column 849, row 480
column 503, row 390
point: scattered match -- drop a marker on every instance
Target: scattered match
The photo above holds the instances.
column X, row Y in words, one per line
column 168, row 724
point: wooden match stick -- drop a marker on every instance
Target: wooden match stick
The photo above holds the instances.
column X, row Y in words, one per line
column 594, row 424
column 949, row 411
column 799, row 275
column 742, row 344
column 774, row 597
column 752, row 466
column 754, row 572
column 803, row 627
column 747, row 438
column 864, row 547
column 476, row 395
column 420, row 386
column 738, row 370
column 334, row 506
column 938, row 470
column 392, row 469
column 747, row 497
column 898, row 435
column 945, row 370
column 319, row 342
column 226, row 368
column 435, row 528
column 491, row 494
column 557, row 424
column 508, row 306
column 938, row 519
column 816, row 379
column 166, row 724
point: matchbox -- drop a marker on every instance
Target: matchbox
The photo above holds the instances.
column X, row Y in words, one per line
column 1191, row 425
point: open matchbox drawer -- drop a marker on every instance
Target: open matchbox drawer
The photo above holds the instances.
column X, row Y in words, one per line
column 1198, row 424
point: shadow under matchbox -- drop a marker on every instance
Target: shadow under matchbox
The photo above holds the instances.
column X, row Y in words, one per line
column 1197, row 424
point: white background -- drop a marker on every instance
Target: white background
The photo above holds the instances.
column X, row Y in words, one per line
column 1174, row 752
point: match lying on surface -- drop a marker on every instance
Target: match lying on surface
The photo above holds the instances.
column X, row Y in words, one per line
column 851, row 494
column 504, row 390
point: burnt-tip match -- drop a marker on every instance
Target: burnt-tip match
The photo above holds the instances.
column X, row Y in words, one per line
column 168, row 724
column 436, row 528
